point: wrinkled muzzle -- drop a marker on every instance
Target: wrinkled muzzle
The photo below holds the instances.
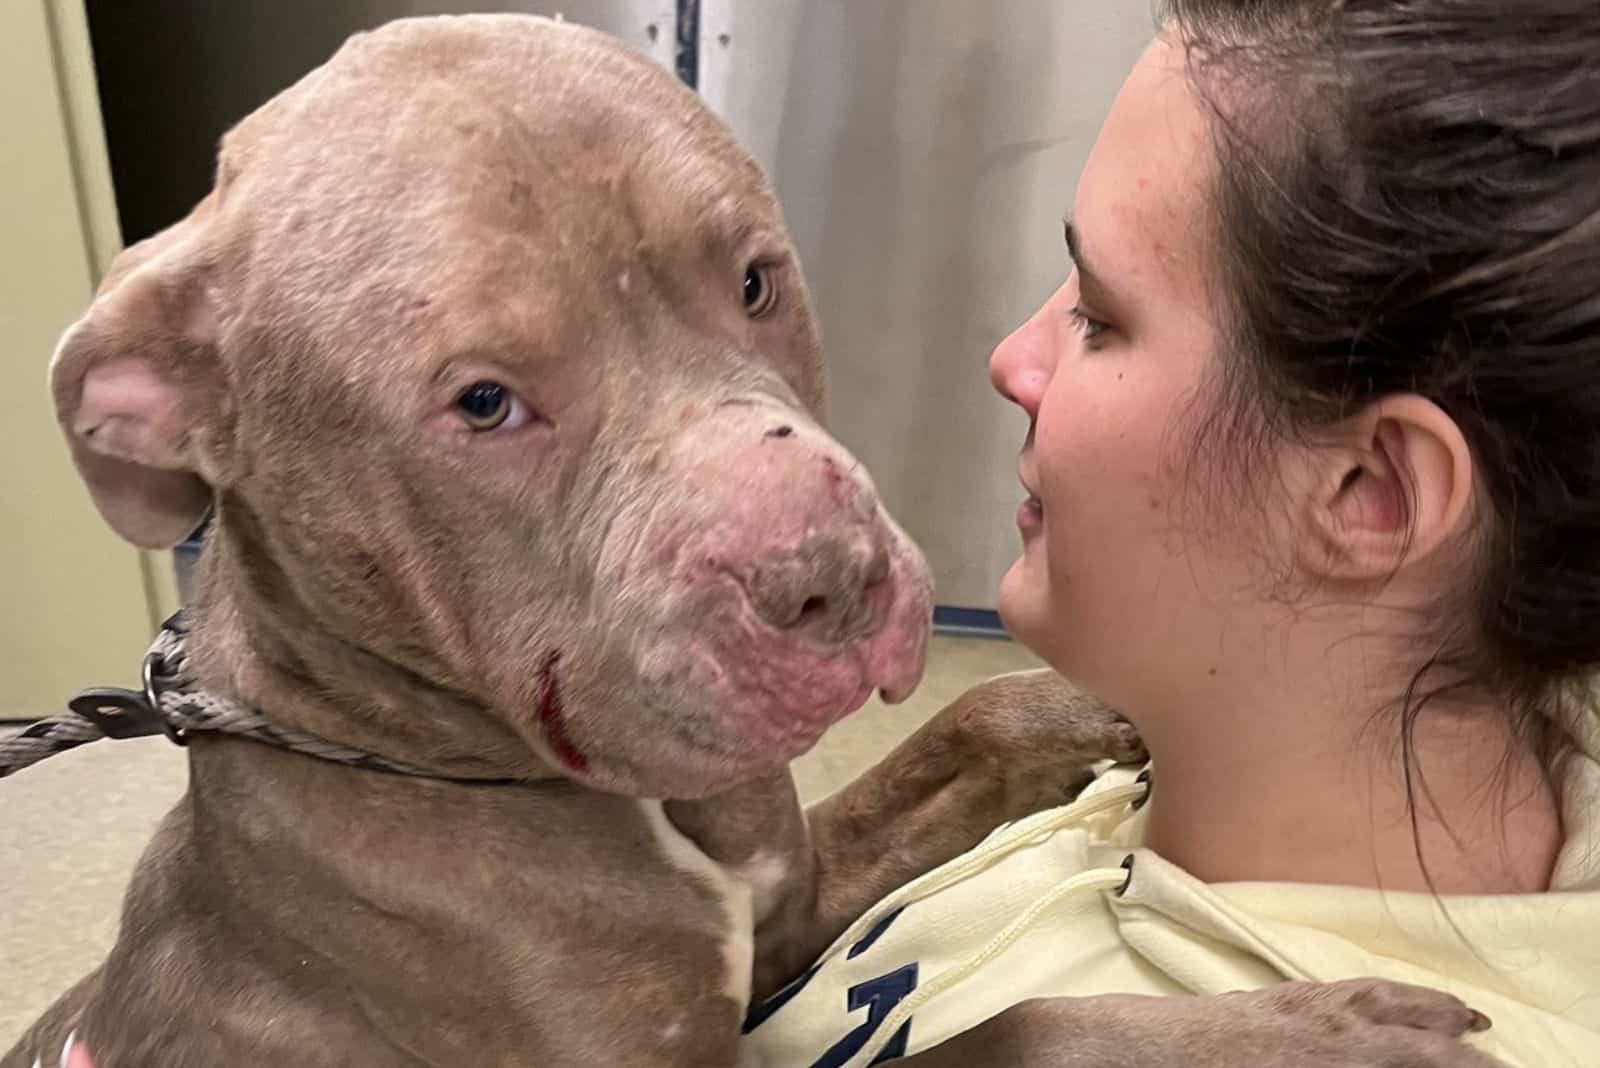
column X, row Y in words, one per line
column 777, row 592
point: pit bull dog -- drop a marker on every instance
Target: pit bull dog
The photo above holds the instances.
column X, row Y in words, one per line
column 491, row 362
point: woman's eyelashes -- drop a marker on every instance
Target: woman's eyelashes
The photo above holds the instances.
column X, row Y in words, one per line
column 1087, row 325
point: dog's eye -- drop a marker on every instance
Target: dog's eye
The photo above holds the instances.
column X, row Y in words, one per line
column 760, row 291
column 491, row 406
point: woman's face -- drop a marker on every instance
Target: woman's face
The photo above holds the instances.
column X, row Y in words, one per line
column 1114, row 588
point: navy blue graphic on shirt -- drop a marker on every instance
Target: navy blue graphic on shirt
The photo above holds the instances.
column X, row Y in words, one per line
column 877, row 932
column 878, row 996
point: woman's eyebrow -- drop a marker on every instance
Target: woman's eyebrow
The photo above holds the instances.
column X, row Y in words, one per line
column 1086, row 273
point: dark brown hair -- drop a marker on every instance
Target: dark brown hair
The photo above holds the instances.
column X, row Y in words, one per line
column 1408, row 201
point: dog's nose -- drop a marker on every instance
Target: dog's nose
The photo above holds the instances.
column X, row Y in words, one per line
column 825, row 586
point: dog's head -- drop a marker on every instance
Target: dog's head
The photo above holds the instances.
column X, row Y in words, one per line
column 491, row 353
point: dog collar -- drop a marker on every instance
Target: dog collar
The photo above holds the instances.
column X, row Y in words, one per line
column 173, row 704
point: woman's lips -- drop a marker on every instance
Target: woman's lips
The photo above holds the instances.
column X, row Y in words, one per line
column 1030, row 516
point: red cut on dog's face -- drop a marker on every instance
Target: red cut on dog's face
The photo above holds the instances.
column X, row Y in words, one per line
column 517, row 386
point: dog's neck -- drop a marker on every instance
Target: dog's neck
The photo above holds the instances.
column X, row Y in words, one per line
column 254, row 641
column 434, row 907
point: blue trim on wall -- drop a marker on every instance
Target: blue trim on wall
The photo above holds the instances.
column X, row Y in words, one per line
column 970, row 622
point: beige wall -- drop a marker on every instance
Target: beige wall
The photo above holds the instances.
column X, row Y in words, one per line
column 76, row 604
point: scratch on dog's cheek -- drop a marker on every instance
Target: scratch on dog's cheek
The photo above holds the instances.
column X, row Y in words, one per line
column 838, row 483
column 550, row 716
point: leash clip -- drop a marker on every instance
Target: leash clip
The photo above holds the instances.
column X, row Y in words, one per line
column 157, row 679
column 119, row 713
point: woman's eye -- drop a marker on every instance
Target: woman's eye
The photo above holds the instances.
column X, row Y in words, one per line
column 491, row 406
column 1090, row 328
column 760, row 292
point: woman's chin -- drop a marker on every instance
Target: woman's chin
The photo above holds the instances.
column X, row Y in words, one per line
column 1021, row 602
column 1029, row 612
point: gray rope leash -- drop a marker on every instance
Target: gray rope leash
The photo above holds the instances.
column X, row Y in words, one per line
column 44, row 739
column 173, row 705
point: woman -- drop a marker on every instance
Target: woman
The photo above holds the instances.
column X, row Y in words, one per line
column 1314, row 498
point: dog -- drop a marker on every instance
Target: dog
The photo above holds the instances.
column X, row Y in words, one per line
column 490, row 363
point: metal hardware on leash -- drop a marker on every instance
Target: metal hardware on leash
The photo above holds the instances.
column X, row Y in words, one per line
column 109, row 712
column 153, row 688
column 119, row 713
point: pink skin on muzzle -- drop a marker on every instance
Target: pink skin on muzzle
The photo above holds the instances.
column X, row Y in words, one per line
column 806, row 596
column 781, row 689
column 751, row 596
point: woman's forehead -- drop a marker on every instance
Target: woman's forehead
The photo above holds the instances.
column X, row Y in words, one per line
column 1145, row 188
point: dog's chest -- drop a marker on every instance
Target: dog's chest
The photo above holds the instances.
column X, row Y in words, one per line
column 734, row 893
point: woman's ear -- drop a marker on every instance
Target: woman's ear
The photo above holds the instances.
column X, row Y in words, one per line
column 134, row 381
column 1396, row 487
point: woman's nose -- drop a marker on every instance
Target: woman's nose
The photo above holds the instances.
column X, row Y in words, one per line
column 1022, row 364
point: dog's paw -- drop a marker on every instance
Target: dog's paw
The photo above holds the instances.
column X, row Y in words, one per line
column 1343, row 1025
column 1039, row 719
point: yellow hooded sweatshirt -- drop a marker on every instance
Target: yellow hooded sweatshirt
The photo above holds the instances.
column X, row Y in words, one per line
column 1067, row 903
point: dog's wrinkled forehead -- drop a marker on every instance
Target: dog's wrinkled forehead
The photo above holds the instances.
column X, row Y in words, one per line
column 480, row 166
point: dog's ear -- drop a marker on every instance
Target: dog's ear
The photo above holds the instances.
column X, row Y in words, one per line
column 131, row 380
